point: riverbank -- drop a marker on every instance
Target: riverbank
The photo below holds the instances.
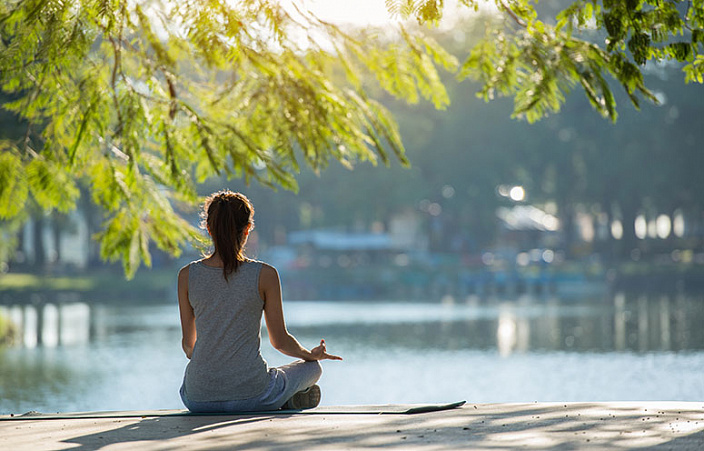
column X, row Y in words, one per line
column 374, row 282
column 104, row 285
column 597, row 425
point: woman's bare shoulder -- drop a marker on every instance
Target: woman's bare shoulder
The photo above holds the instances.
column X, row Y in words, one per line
column 268, row 270
column 183, row 272
column 268, row 276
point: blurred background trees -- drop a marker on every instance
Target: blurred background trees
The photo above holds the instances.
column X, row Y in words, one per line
column 121, row 109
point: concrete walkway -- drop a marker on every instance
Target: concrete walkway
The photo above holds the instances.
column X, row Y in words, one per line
column 611, row 425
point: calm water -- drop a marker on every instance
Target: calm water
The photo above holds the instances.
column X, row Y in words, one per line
column 108, row 357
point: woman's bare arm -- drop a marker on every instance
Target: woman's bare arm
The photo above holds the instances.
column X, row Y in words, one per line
column 279, row 336
column 188, row 319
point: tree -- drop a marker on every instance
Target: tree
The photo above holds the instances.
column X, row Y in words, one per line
column 538, row 58
column 142, row 99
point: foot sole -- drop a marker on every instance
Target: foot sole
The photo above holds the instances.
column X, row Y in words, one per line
column 305, row 399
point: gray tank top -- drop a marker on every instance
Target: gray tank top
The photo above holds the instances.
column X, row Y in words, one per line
column 226, row 363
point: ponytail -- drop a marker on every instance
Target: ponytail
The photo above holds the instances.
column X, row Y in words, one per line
column 226, row 216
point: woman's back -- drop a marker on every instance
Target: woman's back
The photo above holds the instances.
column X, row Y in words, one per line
column 221, row 308
column 226, row 363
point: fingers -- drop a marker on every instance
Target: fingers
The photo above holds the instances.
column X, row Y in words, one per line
column 325, row 354
column 332, row 357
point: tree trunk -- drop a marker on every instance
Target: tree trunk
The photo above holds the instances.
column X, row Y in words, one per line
column 19, row 249
column 566, row 212
column 607, row 247
column 56, row 232
column 38, row 239
column 90, row 214
column 629, row 240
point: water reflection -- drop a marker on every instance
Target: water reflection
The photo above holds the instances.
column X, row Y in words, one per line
column 93, row 357
column 116, row 357
column 621, row 323
column 50, row 324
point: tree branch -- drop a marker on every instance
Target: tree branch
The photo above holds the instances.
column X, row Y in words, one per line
column 513, row 15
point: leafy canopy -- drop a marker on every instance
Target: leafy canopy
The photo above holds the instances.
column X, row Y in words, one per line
column 539, row 55
column 141, row 99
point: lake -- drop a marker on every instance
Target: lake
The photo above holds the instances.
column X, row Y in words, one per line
column 605, row 348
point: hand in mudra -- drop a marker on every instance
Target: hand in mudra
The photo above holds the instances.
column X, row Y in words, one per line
column 320, row 353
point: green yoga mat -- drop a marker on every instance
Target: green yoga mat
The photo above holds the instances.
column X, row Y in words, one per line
column 390, row 409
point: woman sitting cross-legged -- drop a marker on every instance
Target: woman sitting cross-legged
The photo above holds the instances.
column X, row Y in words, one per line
column 221, row 299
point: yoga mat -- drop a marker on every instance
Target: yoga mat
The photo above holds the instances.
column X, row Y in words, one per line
column 389, row 409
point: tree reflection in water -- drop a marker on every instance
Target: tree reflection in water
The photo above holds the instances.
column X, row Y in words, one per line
column 621, row 323
column 624, row 347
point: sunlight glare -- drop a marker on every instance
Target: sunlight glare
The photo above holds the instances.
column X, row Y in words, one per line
column 678, row 225
column 517, row 193
column 617, row 229
column 506, row 332
column 359, row 12
column 652, row 229
column 663, row 225
column 364, row 13
column 641, row 227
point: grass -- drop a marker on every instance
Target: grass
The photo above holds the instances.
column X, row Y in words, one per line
column 146, row 279
column 648, row 268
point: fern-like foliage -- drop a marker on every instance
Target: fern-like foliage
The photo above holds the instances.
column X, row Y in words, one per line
column 142, row 99
column 538, row 61
column 422, row 10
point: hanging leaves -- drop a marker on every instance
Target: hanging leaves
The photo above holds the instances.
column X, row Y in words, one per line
column 13, row 186
column 591, row 42
column 141, row 99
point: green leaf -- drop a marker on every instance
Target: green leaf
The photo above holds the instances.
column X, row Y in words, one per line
column 51, row 185
column 13, row 186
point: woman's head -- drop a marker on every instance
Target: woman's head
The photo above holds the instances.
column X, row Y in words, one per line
column 228, row 217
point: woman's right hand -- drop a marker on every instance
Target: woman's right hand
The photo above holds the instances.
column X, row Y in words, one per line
column 279, row 336
column 320, row 353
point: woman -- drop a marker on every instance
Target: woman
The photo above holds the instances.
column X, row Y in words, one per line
column 221, row 299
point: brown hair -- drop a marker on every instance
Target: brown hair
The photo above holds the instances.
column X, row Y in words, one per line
column 225, row 216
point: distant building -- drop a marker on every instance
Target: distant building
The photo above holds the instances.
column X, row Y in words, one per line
column 326, row 240
column 526, row 227
column 406, row 232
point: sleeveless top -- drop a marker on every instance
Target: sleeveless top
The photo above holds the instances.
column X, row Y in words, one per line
column 226, row 363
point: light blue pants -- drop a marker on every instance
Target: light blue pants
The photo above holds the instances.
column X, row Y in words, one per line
column 284, row 382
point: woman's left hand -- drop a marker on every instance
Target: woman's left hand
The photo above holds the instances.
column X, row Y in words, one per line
column 320, row 353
